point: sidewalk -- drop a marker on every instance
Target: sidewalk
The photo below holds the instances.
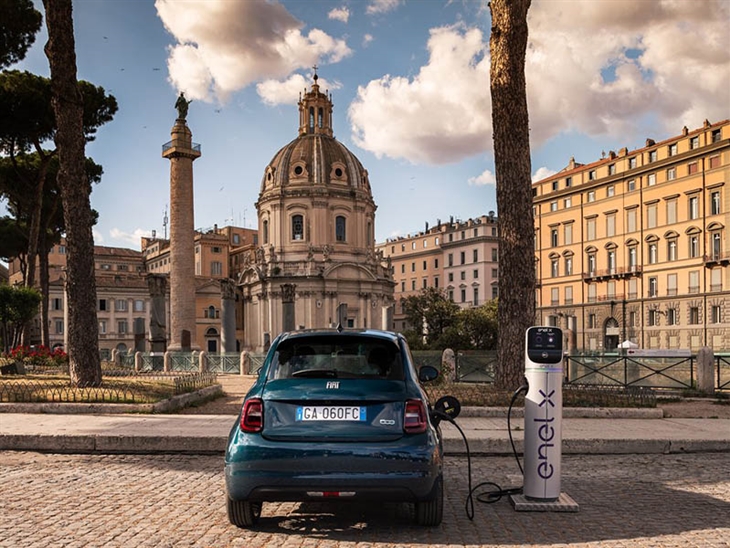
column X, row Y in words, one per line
column 206, row 434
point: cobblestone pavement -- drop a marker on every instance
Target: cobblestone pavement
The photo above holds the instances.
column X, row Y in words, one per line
column 174, row 501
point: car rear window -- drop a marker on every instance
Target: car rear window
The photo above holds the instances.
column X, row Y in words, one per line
column 337, row 357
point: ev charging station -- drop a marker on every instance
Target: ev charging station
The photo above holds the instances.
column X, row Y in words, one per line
column 543, row 423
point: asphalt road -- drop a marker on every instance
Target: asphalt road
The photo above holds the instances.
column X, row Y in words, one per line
column 50, row 500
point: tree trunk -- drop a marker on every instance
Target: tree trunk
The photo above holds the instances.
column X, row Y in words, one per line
column 83, row 329
column 510, row 125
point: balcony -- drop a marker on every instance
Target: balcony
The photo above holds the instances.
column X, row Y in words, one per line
column 599, row 275
column 720, row 258
column 715, row 287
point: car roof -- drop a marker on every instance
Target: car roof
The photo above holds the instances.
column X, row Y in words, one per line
column 335, row 332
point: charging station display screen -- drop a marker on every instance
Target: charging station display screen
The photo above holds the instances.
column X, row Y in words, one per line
column 545, row 345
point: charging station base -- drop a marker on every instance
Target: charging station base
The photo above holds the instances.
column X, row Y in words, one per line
column 564, row 504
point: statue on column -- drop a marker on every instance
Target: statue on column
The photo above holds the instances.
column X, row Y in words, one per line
column 182, row 106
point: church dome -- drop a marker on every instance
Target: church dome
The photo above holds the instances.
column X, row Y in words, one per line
column 315, row 157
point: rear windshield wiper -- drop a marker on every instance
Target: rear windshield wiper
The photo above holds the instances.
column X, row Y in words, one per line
column 316, row 373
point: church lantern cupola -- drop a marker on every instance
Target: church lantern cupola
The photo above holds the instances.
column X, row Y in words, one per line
column 315, row 111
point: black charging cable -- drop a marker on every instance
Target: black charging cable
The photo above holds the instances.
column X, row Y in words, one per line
column 497, row 493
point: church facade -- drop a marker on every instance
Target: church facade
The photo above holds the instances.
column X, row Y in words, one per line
column 316, row 264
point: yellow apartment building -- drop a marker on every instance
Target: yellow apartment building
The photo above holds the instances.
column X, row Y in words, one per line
column 459, row 257
column 634, row 246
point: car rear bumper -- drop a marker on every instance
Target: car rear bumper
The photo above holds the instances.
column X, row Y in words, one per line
column 273, row 471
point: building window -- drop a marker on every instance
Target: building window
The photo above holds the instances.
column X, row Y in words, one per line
column 694, row 315
column 592, row 175
column 652, row 155
column 413, row 267
column 554, row 268
column 569, row 294
column 694, row 207
column 610, row 225
column 402, row 287
column 610, row 191
column 715, row 202
column 57, row 304
column 476, row 297
column 122, row 327
column 297, row 227
column 435, row 263
column 632, row 162
column 462, row 274
column 612, row 169
column 476, row 273
column 554, row 185
column 591, row 263
column 653, row 287
column 554, row 205
column 632, row 258
column 692, row 168
column 216, row 268
column 553, row 237
column 632, row 319
column 716, row 279
column 631, row 220
column 120, row 305
column 591, row 293
column 451, row 276
column 568, row 234
column 451, row 259
column 611, row 259
column 631, row 185
column 672, row 149
column 463, row 295
column 216, row 249
column 671, row 174
column 462, row 256
column 652, row 253
column 123, row 267
column 425, row 283
column 568, row 182
column 694, row 281
column 59, row 327
column 591, row 197
column 672, row 316
column 590, row 229
column 476, row 255
column 266, row 232
column 568, row 202
column 495, row 273
column 138, row 305
column 651, row 179
column 236, row 239
column 413, row 245
column 436, row 282
column 671, row 211
column 554, row 296
column 592, row 321
column 651, row 217
column 672, row 250
column 694, row 142
column 694, row 246
column 403, row 268
column 716, row 245
column 651, row 319
column 495, row 255
column 568, row 266
column 714, row 161
column 671, row 284
column 102, row 327
column 425, row 265
column 716, row 136
column 451, row 295
column 495, row 292
column 716, row 314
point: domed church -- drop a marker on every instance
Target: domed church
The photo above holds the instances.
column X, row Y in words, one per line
column 316, row 264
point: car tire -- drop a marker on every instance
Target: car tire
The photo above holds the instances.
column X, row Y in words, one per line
column 243, row 513
column 430, row 512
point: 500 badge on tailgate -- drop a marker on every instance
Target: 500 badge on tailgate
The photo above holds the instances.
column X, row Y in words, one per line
column 331, row 413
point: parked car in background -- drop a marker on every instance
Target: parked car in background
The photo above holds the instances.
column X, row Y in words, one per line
column 336, row 415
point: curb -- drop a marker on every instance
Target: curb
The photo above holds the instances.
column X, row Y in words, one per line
column 571, row 412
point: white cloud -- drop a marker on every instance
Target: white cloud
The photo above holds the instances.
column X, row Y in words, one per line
column 274, row 92
column 441, row 115
column 593, row 67
column 366, row 39
column 98, row 237
column 486, row 178
column 133, row 239
column 224, row 46
column 542, row 173
column 666, row 58
column 377, row 7
column 339, row 14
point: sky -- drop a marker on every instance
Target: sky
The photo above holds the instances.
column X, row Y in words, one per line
column 410, row 86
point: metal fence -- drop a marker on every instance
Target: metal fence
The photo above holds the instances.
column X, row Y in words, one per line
column 224, row 363
column 476, row 366
column 723, row 372
column 255, row 362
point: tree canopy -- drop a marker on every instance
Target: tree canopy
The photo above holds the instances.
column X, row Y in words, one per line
column 18, row 305
column 18, row 26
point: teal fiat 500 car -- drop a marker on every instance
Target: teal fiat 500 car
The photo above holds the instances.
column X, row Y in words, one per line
column 336, row 415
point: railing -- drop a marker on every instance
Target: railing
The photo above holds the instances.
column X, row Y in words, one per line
column 224, row 363
column 153, row 362
column 184, row 361
column 476, row 366
column 255, row 362
column 723, row 372
column 645, row 371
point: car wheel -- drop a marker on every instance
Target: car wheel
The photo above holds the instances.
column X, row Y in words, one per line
column 430, row 512
column 243, row 513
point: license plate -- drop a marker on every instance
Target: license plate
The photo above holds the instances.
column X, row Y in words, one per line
column 331, row 413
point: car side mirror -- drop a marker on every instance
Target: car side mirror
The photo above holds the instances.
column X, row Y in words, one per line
column 427, row 373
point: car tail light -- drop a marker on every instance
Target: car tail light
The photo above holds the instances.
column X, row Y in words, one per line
column 252, row 417
column 414, row 421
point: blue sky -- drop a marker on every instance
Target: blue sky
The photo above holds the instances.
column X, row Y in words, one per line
column 410, row 85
